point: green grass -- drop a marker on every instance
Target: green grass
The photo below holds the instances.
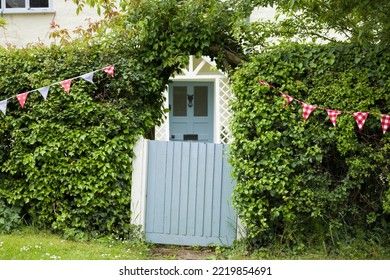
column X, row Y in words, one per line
column 30, row 244
column 33, row 245
column 358, row 249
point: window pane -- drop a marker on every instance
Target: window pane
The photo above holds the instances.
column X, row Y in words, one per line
column 200, row 101
column 39, row 3
column 15, row 3
column 180, row 101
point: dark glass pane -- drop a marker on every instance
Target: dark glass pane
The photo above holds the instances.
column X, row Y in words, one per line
column 200, row 101
column 39, row 3
column 15, row 3
column 180, row 101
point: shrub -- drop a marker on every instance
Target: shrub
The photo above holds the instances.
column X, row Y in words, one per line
column 303, row 182
column 9, row 218
column 66, row 162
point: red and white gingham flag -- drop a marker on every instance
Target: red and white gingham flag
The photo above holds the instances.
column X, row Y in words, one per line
column 333, row 115
column 109, row 70
column 307, row 109
column 360, row 119
column 22, row 98
column 385, row 123
column 288, row 98
column 66, row 85
column 264, row 83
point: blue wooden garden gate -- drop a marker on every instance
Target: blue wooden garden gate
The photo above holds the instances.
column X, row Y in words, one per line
column 189, row 190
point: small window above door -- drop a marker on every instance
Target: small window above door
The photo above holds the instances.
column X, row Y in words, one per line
column 26, row 6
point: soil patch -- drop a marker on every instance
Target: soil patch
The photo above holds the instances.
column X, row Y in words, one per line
column 182, row 253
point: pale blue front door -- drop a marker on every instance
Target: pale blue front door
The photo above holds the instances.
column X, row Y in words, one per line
column 191, row 116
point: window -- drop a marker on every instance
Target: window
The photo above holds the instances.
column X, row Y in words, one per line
column 180, row 101
column 25, row 6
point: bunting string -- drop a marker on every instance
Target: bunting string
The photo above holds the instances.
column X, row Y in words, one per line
column 44, row 91
column 360, row 117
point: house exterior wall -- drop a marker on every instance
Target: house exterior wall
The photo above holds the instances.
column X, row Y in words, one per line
column 23, row 28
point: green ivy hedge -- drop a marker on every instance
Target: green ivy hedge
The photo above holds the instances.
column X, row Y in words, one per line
column 302, row 182
column 66, row 162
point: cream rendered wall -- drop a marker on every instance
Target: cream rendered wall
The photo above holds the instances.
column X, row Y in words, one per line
column 26, row 28
column 264, row 13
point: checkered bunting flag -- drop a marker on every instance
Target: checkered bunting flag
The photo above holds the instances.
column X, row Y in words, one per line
column 66, row 85
column 109, row 70
column 360, row 119
column 385, row 123
column 307, row 109
column 22, row 98
column 288, row 98
column 333, row 115
column 264, row 83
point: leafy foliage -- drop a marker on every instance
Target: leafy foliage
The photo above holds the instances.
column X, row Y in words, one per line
column 361, row 21
column 9, row 218
column 66, row 162
column 166, row 32
column 309, row 182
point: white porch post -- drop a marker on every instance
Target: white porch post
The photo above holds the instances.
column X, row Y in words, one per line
column 217, row 114
column 139, row 183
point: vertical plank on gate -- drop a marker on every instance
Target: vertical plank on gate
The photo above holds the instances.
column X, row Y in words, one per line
column 159, row 189
column 183, row 207
column 201, row 190
column 217, row 189
column 151, row 182
column 208, row 207
column 176, row 181
column 168, row 187
column 229, row 218
column 192, row 189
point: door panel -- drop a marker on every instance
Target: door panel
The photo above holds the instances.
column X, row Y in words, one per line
column 189, row 194
column 192, row 111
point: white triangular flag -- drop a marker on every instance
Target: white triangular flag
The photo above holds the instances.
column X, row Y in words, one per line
column 3, row 106
column 88, row 77
column 44, row 91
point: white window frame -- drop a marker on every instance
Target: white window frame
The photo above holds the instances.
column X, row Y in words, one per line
column 26, row 10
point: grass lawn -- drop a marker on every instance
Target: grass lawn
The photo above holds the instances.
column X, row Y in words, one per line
column 32, row 245
column 29, row 244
